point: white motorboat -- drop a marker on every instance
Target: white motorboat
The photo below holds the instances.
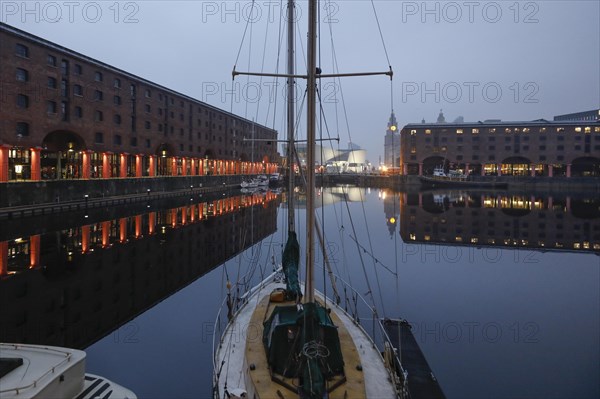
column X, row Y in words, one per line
column 46, row 372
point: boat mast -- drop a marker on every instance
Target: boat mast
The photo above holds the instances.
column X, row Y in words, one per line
column 290, row 115
column 310, row 148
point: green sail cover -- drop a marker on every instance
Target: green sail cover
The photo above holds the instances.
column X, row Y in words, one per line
column 290, row 262
column 285, row 335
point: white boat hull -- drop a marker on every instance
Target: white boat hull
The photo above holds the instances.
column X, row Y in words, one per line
column 231, row 372
column 53, row 372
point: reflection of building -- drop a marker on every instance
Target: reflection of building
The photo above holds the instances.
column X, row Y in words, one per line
column 515, row 221
column 351, row 160
column 72, row 287
column 333, row 195
column 66, row 115
column 391, row 208
column 537, row 148
column 391, row 143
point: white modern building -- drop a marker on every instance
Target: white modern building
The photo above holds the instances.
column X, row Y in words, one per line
column 350, row 160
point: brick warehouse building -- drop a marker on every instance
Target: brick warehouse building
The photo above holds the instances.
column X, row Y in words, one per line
column 65, row 115
column 537, row 148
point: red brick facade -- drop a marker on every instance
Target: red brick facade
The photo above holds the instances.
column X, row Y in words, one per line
column 66, row 115
column 537, row 148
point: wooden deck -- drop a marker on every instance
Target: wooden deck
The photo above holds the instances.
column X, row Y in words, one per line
column 260, row 377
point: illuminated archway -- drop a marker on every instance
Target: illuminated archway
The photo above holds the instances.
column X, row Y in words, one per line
column 62, row 155
column 208, row 163
column 430, row 163
column 164, row 154
column 516, row 166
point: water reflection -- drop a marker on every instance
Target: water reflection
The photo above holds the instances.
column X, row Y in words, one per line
column 560, row 222
column 73, row 285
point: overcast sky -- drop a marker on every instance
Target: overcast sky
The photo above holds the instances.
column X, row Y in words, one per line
column 504, row 60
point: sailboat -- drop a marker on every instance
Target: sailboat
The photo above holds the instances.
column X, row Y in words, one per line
column 282, row 342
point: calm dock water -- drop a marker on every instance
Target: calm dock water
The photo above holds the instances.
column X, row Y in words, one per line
column 502, row 289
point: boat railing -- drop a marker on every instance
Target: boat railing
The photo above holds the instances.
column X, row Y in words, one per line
column 377, row 335
column 220, row 326
column 54, row 369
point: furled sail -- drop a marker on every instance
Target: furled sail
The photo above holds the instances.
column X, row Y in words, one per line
column 290, row 263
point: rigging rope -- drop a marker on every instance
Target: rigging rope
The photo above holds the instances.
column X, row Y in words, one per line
column 381, row 34
column 244, row 35
column 370, row 253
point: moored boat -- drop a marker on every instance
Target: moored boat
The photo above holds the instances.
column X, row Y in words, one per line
column 287, row 340
column 436, row 181
column 43, row 372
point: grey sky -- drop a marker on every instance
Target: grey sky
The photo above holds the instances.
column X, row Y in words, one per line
column 482, row 60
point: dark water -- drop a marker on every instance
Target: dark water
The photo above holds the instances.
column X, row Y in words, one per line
column 502, row 290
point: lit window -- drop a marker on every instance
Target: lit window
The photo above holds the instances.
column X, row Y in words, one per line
column 427, row 131
column 493, row 130
column 525, row 130
column 588, row 129
column 578, row 129
column 413, row 132
column 475, row 131
column 507, row 130
column 560, row 129
column 459, row 131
